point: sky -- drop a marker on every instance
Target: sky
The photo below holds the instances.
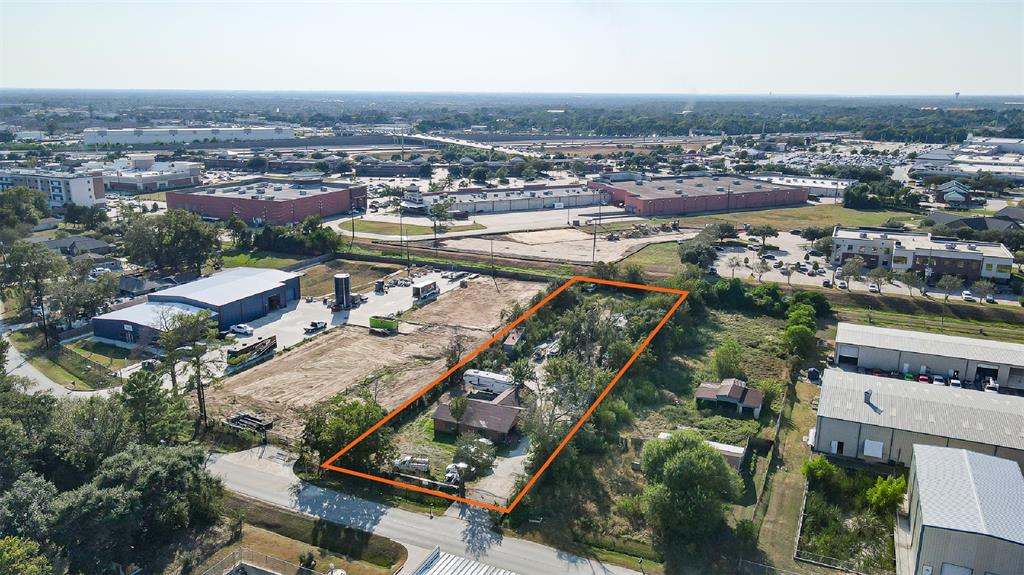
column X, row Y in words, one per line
column 676, row 47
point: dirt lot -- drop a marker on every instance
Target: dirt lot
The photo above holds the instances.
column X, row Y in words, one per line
column 568, row 245
column 347, row 358
column 477, row 307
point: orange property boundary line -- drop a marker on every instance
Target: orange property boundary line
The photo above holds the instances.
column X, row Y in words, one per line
column 329, row 464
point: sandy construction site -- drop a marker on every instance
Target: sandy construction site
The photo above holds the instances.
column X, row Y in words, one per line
column 566, row 244
column 348, row 359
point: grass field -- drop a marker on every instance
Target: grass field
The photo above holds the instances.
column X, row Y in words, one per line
column 393, row 229
column 370, row 553
column 259, row 259
column 110, row 356
column 71, row 370
column 561, row 272
column 656, row 259
column 783, row 218
column 319, row 279
column 151, row 196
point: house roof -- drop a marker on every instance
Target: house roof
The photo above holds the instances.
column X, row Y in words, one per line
column 967, row 491
column 732, row 389
column 967, row 414
column 1012, row 213
column 80, row 242
column 229, row 285
column 494, row 417
column 949, row 220
column 931, row 344
column 150, row 314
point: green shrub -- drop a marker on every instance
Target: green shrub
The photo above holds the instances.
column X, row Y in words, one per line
column 307, row 559
column 820, row 472
column 886, row 494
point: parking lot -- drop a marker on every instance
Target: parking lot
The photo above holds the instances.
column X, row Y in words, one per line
column 792, row 249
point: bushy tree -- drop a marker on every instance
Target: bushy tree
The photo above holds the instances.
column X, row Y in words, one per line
column 688, row 485
column 819, row 471
column 333, row 426
column 727, row 360
column 887, row 494
column 22, row 557
column 159, row 416
column 476, row 452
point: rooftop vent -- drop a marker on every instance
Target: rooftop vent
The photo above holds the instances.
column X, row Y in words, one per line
column 719, row 188
column 863, row 234
column 972, row 246
column 951, row 246
column 714, row 178
column 867, row 396
column 737, row 183
column 885, row 236
column 698, row 185
column 661, row 187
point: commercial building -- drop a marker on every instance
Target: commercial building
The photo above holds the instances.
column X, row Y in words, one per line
column 140, row 173
column 815, row 186
column 490, row 200
column 881, row 419
column 924, row 253
column 182, row 135
column 1001, row 157
column 371, row 167
column 685, row 195
column 232, row 296
column 971, row 360
column 440, row 563
column 275, row 201
column 61, row 188
column 966, row 515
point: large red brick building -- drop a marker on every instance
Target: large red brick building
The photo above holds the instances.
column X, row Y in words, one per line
column 274, row 202
column 682, row 195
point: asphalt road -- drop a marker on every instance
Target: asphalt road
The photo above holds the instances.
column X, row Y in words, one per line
column 265, row 474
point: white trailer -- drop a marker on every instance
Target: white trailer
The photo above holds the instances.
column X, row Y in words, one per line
column 487, row 381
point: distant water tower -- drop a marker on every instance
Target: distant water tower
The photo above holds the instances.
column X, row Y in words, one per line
column 956, row 96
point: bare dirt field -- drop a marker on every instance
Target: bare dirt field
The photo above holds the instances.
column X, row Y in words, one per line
column 319, row 280
column 348, row 358
column 477, row 307
column 565, row 245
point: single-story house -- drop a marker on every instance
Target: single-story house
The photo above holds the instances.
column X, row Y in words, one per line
column 496, row 419
column 975, row 222
column 731, row 391
column 74, row 245
column 99, row 261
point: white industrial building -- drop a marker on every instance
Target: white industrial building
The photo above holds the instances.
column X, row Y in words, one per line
column 440, row 563
column 140, row 173
column 61, row 188
column 968, row 359
column 182, row 135
column 881, row 419
column 819, row 186
column 487, row 200
column 921, row 252
column 966, row 515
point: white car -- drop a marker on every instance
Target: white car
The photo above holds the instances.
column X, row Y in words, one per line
column 841, row 284
column 938, row 380
column 954, row 382
column 873, row 287
column 242, row 329
column 967, row 296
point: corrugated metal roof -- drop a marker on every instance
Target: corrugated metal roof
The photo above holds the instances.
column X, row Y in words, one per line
column 151, row 314
column 931, row 343
column 987, row 418
column 968, row 491
column 441, row 563
column 229, row 285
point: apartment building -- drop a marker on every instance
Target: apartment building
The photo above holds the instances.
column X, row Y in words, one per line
column 932, row 256
column 61, row 188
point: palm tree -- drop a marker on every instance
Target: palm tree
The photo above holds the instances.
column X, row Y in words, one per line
column 734, row 264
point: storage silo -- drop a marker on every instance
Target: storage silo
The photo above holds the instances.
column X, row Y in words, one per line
column 343, row 290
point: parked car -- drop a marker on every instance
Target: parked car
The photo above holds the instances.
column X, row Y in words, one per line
column 768, row 257
column 242, row 329
column 873, row 287
column 814, row 253
column 826, row 283
column 990, row 298
column 841, row 284
column 966, row 295
column 923, row 378
column 938, row 380
column 150, row 365
column 795, row 232
column 315, row 326
column 954, row 382
column 777, row 264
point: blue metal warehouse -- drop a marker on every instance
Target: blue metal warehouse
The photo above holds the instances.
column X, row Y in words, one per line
column 232, row 296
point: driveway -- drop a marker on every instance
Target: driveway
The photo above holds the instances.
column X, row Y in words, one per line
column 264, row 473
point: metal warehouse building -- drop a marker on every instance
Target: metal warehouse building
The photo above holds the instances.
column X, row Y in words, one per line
column 232, row 296
column 881, row 419
column 896, row 350
column 966, row 513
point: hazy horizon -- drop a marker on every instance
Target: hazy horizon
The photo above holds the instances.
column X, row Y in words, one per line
column 698, row 48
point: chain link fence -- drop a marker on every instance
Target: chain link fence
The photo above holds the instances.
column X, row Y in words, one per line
column 245, row 561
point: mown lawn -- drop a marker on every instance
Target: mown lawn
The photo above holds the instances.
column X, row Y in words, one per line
column 319, row 279
column 394, row 229
column 62, row 369
column 260, row 259
column 111, row 356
